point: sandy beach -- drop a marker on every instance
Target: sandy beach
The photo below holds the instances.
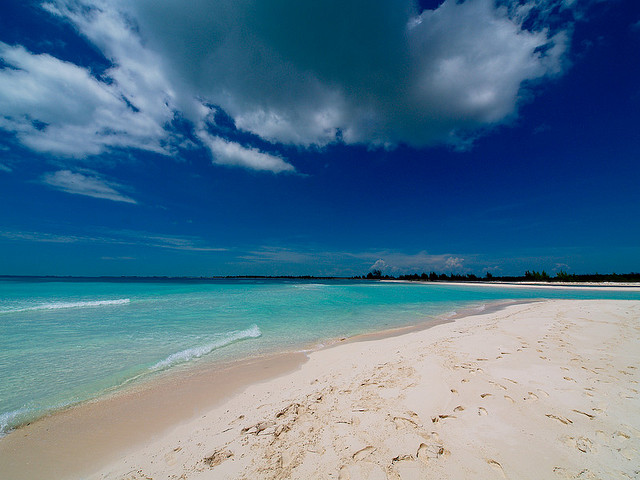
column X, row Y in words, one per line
column 533, row 391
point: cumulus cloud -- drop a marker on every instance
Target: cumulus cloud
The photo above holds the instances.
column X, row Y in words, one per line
column 394, row 262
column 367, row 72
column 291, row 72
column 454, row 263
column 59, row 107
column 88, row 185
column 379, row 265
column 388, row 261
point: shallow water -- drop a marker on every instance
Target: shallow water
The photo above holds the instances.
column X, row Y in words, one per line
column 67, row 342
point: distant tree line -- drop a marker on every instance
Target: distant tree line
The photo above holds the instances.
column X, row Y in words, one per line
column 529, row 276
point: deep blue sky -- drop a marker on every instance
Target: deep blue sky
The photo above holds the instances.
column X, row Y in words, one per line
column 150, row 138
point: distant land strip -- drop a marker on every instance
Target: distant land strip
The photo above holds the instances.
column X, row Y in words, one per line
column 529, row 276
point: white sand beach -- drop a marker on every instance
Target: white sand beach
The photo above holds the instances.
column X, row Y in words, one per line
column 544, row 390
column 535, row 391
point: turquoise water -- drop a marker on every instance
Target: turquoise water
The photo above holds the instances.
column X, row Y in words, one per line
column 63, row 342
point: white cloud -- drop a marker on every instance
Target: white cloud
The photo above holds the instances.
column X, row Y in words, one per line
column 178, row 243
column 379, row 265
column 118, row 237
column 389, row 261
column 394, row 262
column 454, row 263
column 379, row 72
column 233, row 154
column 40, row 237
column 59, row 107
column 89, row 185
column 300, row 73
column 5, row 168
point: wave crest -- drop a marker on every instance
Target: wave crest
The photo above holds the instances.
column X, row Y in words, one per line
column 197, row 352
column 60, row 305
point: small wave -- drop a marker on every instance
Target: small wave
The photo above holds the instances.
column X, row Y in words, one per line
column 309, row 286
column 197, row 352
column 60, row 305
column 7, row 420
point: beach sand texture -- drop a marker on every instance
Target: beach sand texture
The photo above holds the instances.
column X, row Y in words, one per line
column 534, row 391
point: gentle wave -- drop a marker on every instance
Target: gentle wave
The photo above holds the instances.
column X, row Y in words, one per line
column 60, row 305
column 197, row 352
column 6, row 420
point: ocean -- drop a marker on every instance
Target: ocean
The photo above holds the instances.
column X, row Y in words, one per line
column 66, row 342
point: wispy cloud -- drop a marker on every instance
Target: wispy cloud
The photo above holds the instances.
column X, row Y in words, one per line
column 42, row 237
column 119, row 237
column 233, row 154
column 89, row 185
column 179, row 243
column 5, row 168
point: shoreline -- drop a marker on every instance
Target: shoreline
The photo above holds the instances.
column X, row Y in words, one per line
column 153, row 406
column 204, row 367
column 149, row 414
column 604, row 286
column 541, row 390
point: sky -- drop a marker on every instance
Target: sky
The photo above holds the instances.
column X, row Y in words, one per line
column 253, row 137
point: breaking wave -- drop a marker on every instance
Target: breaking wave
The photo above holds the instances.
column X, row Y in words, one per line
column 60, row 305
column 197, row 352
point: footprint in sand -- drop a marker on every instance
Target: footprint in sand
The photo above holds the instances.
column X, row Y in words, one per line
column 426, row 452
column 423, row 453
column 584, row 444
column 363, row 453
column 459, row 408
column 217, row 457
column 495, row 384
column 621, row 435
column 402, row 458
column 588, row 415
column 482, row 411
column 403, row 422
column 509, row 399
column 441, row 417
column 485, row 395
column 496, row 466
column 562, row 420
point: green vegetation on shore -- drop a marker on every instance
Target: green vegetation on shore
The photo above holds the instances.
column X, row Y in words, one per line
column 529, row 276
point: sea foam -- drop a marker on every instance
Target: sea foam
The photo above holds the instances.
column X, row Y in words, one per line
column 60, row 305
column 7, row 420
column 196, row 352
